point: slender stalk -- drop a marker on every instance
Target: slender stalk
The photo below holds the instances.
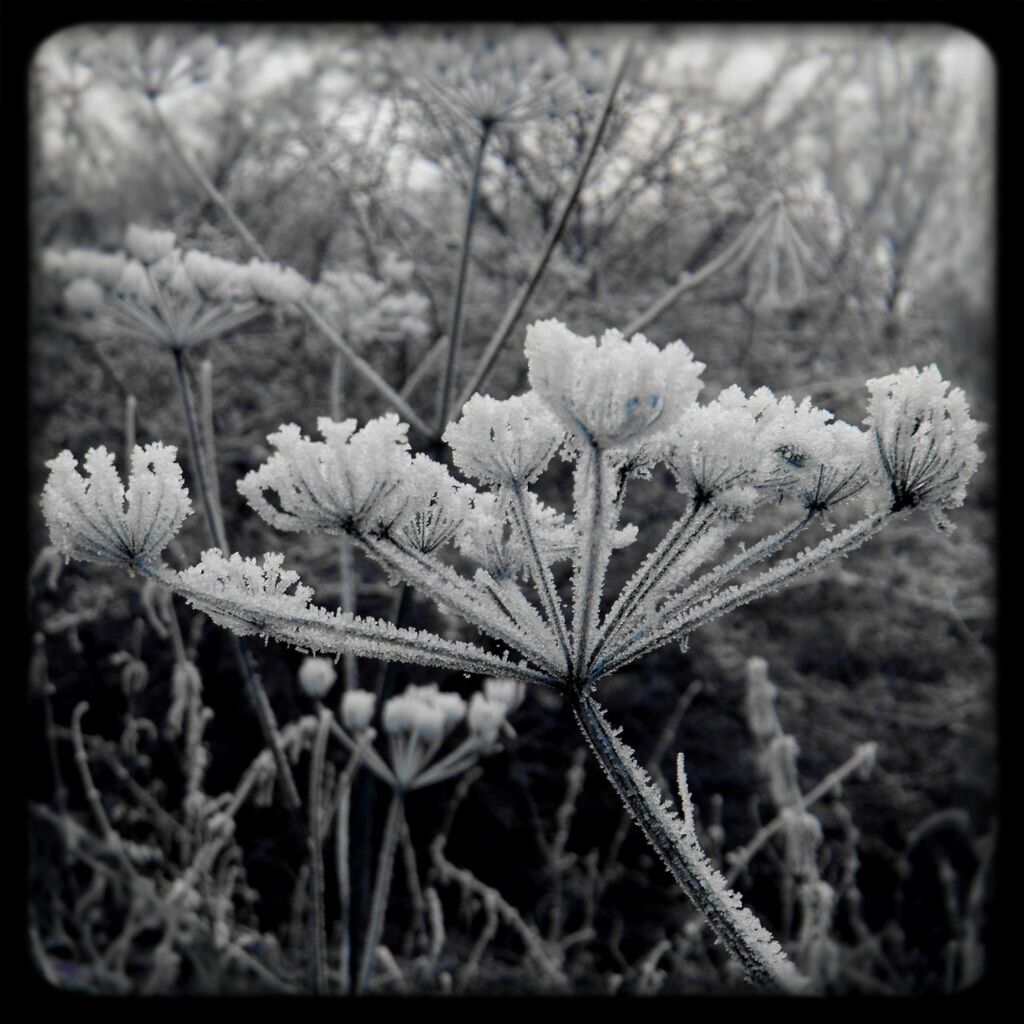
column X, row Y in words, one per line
column 739, row 859
column 652, row 572
column 363, row 368
column 508, row 321
column 257, row 695
column 588, row 568
column 741, row 245
column 209, row 439
column 540, row 572
column 130, row 412
column 316, row 782
column 761, row 957
column 381, row 891
column 458, row 305
column 809, row 560
column 346, row 573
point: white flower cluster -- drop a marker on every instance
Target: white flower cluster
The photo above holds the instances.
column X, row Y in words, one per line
column 367, row 311
column 614, row 407
column 88, row 518
column 363, row 480
column 925, row 438
column 610, row 392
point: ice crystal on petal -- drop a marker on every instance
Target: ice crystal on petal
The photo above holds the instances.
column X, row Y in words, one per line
column 88, row 518
column 613, row 391
column 926, row 440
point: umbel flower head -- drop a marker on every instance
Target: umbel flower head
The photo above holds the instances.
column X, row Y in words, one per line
column 615, row 408
column 613, row 391
column 154, row 292
column 925, row 439
column 95, row 519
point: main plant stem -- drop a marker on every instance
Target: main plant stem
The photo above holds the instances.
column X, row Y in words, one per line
column 761, row 957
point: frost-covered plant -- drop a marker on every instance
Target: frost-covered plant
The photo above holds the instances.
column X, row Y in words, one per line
column 615, row 409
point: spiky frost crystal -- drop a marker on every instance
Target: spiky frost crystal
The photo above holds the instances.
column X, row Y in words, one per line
column 94, row 519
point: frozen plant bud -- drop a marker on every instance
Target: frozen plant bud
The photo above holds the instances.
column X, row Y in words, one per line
column 147, row 245
column 925, row 439
column 83, row 296
column 484, row 719
column 507, row 692
column 316, row 676
column 612, row 391
column 357, row 709
column 87, row 517
column 508, row 442
column 134, row 283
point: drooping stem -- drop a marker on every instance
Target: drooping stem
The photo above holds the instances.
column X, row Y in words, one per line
column 381, row 891
column 508, row 321
column 458, row 305
column 759, row 954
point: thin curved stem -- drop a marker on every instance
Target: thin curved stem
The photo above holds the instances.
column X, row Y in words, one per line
column 381, row 891
column 458, row 306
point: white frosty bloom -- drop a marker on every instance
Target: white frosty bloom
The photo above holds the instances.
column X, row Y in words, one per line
column 88, row 518
column 316, row 676
column 273, row 282
column 357, row 709
column 146, row 244
column 612, row 391
column 484, row 718
column 134, row 283
column 717, row 451
column 364, row 480
column 504, row 442
column 925, row 439
column 822, row 460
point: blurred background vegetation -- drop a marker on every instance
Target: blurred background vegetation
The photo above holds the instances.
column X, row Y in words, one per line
column 334, row 148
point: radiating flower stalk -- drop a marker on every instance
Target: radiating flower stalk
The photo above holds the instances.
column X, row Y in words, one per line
column 617, row 408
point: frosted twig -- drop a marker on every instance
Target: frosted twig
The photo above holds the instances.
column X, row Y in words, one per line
column 316, row 783
column 739, row 859
column 508, row 321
